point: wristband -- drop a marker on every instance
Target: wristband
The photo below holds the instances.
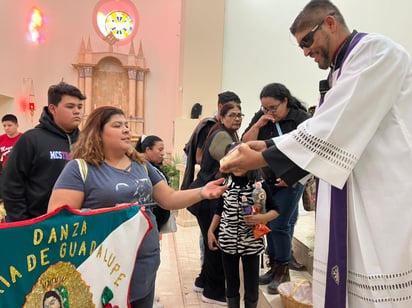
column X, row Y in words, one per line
column 269, row 143
column 200, row 193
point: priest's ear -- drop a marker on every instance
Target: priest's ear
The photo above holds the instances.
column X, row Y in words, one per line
column 331, row 23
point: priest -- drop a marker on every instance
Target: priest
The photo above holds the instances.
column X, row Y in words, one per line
column 359, row 145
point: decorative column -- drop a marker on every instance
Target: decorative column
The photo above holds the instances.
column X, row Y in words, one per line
column 81, row 75
column 132, row 72
column 88, row 85
column 140, row 101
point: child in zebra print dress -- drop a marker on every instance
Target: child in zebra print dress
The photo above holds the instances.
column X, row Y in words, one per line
column 232, row 233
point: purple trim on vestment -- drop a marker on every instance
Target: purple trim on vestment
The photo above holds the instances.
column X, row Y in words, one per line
column 352, row 44
column 335, row 293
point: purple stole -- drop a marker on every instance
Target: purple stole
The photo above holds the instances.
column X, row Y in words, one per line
column 336, row 274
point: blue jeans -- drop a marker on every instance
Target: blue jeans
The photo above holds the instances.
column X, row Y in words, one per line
column 279, row 241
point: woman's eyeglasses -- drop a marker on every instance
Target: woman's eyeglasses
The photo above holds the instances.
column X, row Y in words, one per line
column 235, row 115
column 270, row 108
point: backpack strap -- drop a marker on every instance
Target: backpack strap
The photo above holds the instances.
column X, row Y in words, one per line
column 82, row 168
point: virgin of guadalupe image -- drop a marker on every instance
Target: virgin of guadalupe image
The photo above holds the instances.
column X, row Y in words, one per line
column 60, row 286
column 52, row 299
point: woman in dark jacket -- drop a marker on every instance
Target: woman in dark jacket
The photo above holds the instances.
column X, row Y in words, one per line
column 222, row 134
column 280, row 113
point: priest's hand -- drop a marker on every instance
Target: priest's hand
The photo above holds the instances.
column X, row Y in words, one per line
column 257, row 145
column 248, row 157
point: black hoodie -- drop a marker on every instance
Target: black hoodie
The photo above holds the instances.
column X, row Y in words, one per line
column 33, row 167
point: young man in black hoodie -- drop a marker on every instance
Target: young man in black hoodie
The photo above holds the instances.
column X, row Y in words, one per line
column 41, row 153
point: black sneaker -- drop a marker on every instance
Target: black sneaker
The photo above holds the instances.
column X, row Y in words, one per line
column 198, row 286
column 216, row 301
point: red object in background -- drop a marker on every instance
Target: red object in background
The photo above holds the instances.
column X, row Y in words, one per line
column 32, row 106
column 23, row 103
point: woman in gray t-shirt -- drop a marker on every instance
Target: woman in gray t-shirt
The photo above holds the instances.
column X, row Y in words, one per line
column 117, row 174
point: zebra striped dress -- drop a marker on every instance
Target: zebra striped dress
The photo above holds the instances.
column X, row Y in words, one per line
column 235, row 237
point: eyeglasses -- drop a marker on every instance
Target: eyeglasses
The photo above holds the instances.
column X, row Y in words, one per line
column 235, row 115
column 270, row 108
column 307, row 40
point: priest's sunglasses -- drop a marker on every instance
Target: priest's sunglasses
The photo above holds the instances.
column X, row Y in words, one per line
column 307, row 40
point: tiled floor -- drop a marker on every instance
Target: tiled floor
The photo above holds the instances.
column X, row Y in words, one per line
column 180, row 264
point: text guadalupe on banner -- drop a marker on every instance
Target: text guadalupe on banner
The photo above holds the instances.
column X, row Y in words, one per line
column 58, row 255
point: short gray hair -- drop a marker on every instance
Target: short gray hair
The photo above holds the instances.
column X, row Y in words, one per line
column 313, row 13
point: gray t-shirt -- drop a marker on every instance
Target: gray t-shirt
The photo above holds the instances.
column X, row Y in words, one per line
column 106, row 186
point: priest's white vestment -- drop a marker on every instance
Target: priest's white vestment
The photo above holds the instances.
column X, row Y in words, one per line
column 362, row 135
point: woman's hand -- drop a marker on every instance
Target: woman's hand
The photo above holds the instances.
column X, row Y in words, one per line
column 263, row 120
column 213, row 189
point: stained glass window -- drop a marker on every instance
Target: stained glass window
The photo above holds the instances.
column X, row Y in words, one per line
column 120, row 24
column 116, row 21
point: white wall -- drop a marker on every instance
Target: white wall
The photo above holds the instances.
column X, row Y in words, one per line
column 259, row 50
